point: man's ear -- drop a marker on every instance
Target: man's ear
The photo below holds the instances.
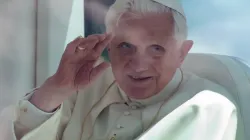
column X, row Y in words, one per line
column 185, row 48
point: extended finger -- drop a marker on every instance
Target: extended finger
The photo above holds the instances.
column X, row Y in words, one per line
column 90, row 40
column 100, row 37
column 87, row 46
column 79, row 41
column 71, row 47
column 85, row 49
column 103, row 44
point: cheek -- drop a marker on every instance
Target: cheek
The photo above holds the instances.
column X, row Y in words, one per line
column 115, row 57
column 165, row 70
column 158, row 66
column 165, row 65
column 172, row 59
column 117, row 61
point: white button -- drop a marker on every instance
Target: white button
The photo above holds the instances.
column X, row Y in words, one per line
column 113, row 137
column 119, row 126
column 126, row 113
column 134, row 107
column 24, row 109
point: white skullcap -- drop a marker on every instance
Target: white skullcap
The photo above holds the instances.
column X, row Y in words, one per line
column 121, row 6
column 173, row 4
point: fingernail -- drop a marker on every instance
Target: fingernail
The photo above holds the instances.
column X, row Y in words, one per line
column 80, row 36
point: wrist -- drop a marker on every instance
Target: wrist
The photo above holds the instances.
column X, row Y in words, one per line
column 47, row 97
column 43, row 102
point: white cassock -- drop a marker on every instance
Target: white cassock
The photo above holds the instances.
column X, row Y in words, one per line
column 199, row 109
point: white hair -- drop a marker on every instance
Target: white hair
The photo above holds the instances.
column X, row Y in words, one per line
column 145, row 6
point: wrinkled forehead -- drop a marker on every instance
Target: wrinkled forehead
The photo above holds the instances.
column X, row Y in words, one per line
column 156, row 26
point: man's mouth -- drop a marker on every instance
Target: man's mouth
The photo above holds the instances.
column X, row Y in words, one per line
column 139, row 78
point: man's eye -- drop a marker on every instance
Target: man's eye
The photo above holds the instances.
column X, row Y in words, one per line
column 126, row 48
column 156, row 50
column 125, row 45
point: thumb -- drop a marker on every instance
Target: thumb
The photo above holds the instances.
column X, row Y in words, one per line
column 98, row 70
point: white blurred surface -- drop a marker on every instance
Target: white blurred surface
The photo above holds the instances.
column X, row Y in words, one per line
column 17, row 43
column 58, row 23
column 21, row 37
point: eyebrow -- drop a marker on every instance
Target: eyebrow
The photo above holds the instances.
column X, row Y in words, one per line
column 127, row 43
column 156, row 45
column 120, row 39
column 147, row 46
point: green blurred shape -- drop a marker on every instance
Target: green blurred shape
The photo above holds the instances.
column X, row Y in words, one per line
column 105, row 55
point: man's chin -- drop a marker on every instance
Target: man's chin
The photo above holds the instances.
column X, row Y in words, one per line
column 139, row 93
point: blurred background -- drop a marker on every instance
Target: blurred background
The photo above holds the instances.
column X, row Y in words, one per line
column 34, row 33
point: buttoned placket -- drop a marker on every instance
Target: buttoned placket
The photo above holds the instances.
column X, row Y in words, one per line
column 125, row 114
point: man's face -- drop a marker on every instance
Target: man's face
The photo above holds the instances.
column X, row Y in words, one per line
column 144, row 54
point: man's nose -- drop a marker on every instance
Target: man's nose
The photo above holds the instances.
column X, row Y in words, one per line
column 140, row 63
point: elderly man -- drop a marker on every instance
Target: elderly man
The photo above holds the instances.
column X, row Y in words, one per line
column 85, row 99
